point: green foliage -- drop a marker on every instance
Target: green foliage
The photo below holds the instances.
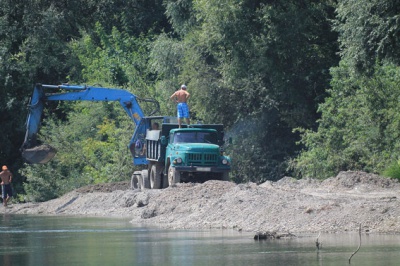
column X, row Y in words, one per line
column 34, row 48
column 91, row 148
column 92, row 139
column 181, row 15
column 262, row 68
column 115, row 58
column 393, row 170
column 369, row 31
column 133, row 17
column 41, row 185
column 33, row 36
column 166, row 61
column 251, row 62
column 359, row 125
column 359, row 128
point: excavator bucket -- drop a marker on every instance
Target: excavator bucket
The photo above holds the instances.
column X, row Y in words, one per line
column 39, row 154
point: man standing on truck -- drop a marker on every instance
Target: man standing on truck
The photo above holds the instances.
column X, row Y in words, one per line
column 6, row 178
column 180, row 97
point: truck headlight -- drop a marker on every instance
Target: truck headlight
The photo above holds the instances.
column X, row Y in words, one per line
column 177, row 160
column 224, row 161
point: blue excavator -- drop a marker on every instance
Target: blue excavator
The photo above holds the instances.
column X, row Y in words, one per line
column 38, row 154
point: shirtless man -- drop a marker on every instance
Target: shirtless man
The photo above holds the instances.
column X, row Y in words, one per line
column 180, row 97
column 6, row 178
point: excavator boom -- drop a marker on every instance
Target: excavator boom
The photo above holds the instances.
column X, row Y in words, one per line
column 34, row 153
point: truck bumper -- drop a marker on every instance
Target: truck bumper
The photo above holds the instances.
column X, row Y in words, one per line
column 206, row 169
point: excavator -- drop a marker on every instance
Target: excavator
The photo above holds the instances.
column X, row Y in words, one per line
column 168, row 153
column 39, row 154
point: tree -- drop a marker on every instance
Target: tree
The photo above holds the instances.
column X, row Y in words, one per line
column 92, row 138
column 35, row 39
column 359, row 126
column 132, row 17
column 368, row 32
column 33, row 36
column 259, row 67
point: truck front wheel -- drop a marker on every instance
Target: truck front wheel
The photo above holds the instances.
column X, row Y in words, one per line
column 174, row 176
column 225, row 176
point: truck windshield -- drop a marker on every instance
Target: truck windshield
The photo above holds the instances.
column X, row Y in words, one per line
column 195, row 137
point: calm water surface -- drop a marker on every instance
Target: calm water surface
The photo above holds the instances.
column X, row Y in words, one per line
column 39, row 240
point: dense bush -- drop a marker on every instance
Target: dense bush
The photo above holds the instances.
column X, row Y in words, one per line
column 359, row 127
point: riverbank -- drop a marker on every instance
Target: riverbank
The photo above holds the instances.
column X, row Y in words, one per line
column 337, row 204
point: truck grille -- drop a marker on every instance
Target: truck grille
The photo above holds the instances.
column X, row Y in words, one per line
column 202, row 158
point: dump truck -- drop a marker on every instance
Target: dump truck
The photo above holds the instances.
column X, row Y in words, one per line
column 189, row 154
column 167, row 155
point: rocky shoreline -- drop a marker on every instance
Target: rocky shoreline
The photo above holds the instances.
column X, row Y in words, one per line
column 338, row 204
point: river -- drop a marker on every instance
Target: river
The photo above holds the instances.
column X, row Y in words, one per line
column 60, row 240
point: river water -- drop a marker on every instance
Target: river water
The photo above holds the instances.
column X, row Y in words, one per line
column 58, row 240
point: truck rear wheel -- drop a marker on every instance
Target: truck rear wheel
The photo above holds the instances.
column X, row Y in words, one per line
column 145, row 179
column 155, row 177
column 174, row 176
column 135, row 180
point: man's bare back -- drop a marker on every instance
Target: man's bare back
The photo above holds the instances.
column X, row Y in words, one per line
column 181, row 96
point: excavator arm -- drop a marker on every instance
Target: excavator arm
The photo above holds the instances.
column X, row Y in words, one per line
column 44, row 153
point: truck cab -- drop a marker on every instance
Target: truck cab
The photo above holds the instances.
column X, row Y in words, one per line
column 195, row 154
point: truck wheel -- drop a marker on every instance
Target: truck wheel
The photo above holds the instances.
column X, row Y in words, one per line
column 135, row 180
column 145, row 179
column 155, row 177
column 225, row 176
column 174, row 176
column 140, row 182
column 165, row 180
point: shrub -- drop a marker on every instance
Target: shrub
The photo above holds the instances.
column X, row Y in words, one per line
column 393, row 170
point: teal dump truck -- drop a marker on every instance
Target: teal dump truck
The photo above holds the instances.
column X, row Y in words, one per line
column 174, row 155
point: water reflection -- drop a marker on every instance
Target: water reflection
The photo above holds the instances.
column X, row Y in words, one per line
column 6, row 241
column 38, row 240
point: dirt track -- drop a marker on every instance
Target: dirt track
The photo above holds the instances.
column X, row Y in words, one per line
column 337, row 204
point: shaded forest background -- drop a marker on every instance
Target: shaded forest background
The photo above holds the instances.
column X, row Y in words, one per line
column 305, row 88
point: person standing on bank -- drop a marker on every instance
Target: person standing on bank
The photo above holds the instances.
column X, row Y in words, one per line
column 6, row 178
column 180, row 97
